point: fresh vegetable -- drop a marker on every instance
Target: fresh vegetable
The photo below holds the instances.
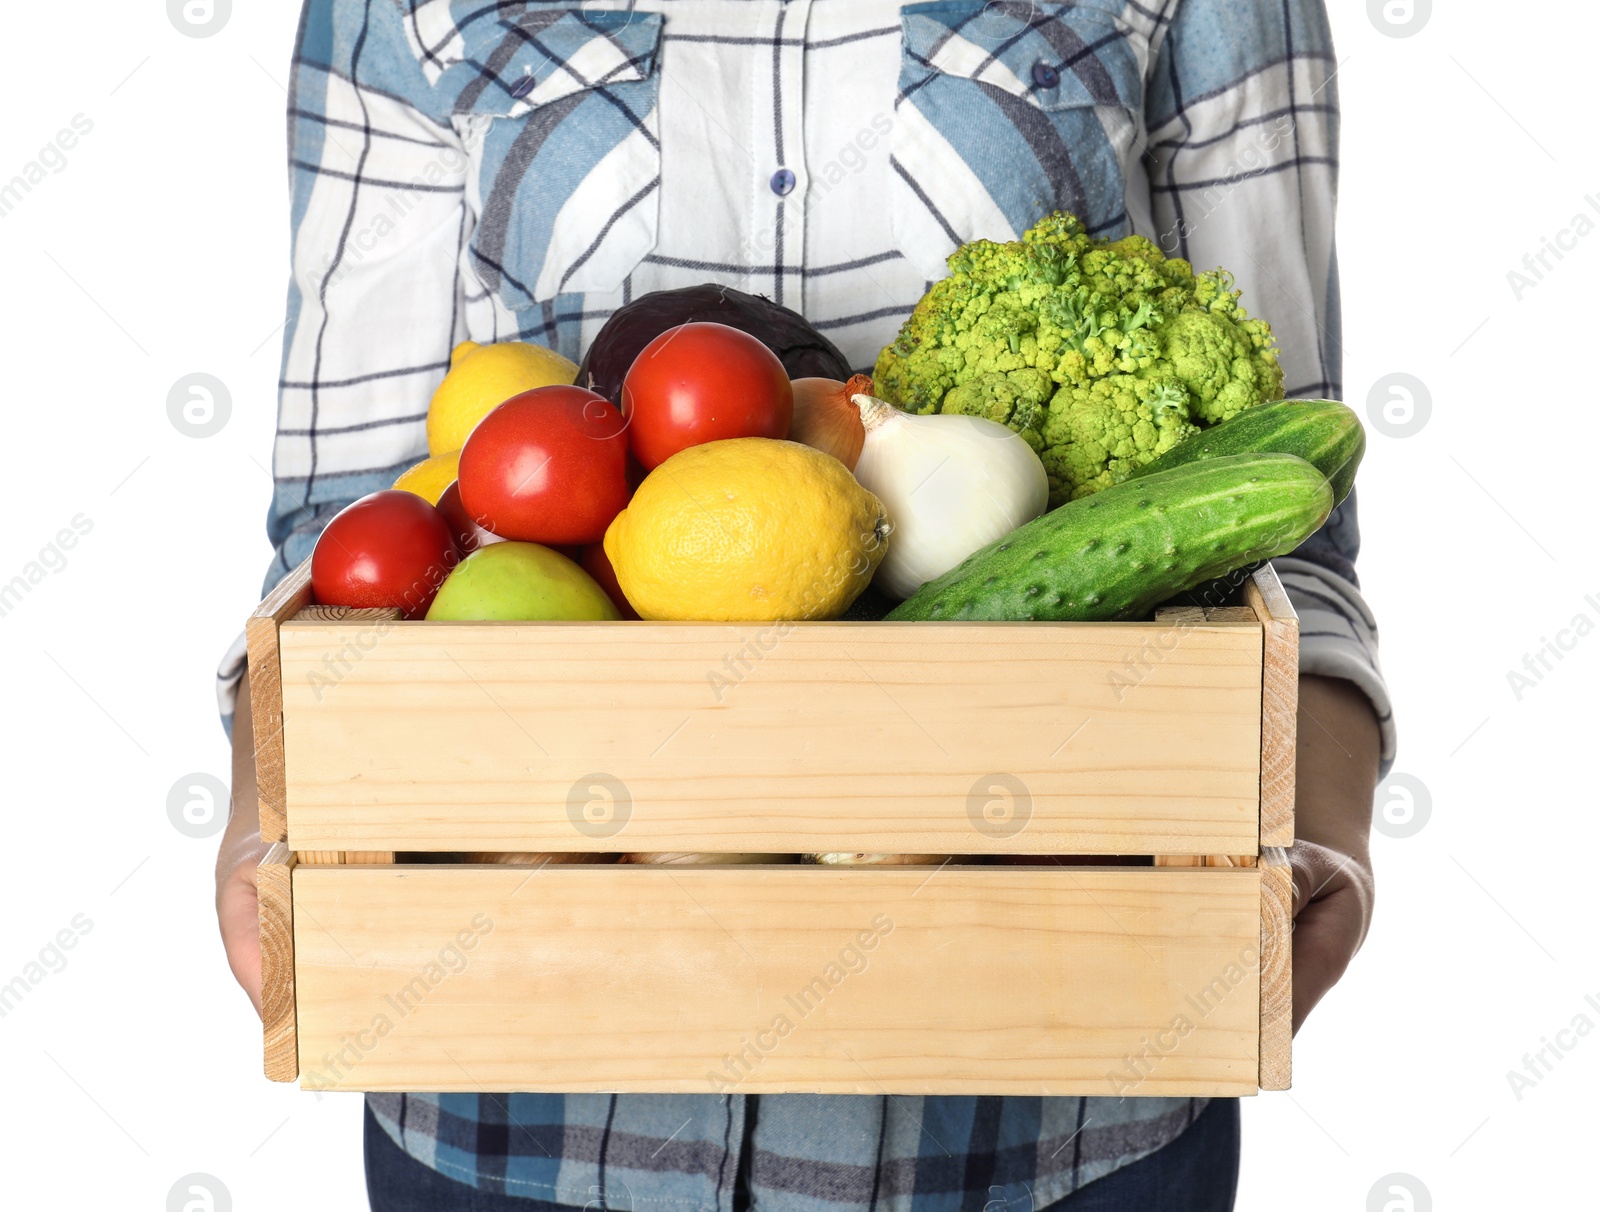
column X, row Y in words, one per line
column 952, row 484
column 853, row 858
column 520, row 581
column 482, row 377
column 389, row 549
column 702, row 383
column 750, row 529
column 429, row 478
column 1102, row 354
column 548, row 466
column 802, row 349
column 827, row 419
column 1324, row 433
column 1116, row 554
column 469, row 536
column 593, row 561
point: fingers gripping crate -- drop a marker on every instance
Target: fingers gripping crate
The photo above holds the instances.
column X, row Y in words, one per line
column 1161, row 753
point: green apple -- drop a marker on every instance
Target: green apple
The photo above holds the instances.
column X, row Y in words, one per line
column 520, row 581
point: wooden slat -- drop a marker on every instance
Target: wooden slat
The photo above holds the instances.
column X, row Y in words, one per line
column 964, row 980
column 1280, row 703
column 347, row 614
column 523, row 858
column 875, row 737
column 276, row 925
column 1205, row 860
column 266, row 694
column 1230, row 614
column 1277, row 972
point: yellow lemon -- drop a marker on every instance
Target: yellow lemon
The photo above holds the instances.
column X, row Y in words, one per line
column 429, row 478
column 747, row 529
column 483, row 377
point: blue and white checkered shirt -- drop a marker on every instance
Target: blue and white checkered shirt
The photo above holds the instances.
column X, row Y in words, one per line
column 516, row 171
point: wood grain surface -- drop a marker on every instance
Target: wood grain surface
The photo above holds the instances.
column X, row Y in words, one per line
column 266, row 693
column 275, row 918
column 970, row 980
column 1280, row 702
column 1277, row 970
column 896, row 738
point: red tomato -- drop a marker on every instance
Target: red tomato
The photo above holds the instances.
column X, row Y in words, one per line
column 701, row 383
column 597, row 564
column 548, row 466
column 636, row 474
column 468, row 534
column 391, row 548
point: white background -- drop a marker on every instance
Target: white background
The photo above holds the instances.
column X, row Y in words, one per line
column 160, row 250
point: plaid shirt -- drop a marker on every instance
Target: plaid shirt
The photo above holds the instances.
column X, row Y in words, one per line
column 516, row 171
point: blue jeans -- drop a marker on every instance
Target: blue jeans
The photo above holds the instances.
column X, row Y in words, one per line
column 1198, row 1172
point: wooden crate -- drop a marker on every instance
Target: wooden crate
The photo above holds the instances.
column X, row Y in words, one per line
column 1170, row 740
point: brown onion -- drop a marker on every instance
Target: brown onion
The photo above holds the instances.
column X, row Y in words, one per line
column 827, row 419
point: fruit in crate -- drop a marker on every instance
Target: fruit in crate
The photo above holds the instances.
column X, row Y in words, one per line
column 1325, row 433
column 1102, row 354
column 1119, row 552
column 701, row 383
column 801, row 348
column 468, row 534
column 953, row 485
column 480, row 379
column 750, row 529
column 548, row 466
column 389, row 549
column 593, row 561
column 520, row 581
column 429, row 478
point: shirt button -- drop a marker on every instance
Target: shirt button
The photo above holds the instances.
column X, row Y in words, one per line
column 523, row 87
column 1045, row 76
column 783, row 182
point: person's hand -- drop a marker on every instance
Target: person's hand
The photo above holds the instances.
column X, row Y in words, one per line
column 237, row 908
column 1336, row 773
column 1332, row 911
column 240, row 853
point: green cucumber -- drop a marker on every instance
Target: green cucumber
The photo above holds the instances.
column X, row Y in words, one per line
column 1118, row 553
column 1325, row 433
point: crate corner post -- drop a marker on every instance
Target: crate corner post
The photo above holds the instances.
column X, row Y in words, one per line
column 1277, row 970
column 280, row 1039
column 290, row 595
column 1280, row 702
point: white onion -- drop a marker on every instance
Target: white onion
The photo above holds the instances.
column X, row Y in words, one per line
column 952, row 485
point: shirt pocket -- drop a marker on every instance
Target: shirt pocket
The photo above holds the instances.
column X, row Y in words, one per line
column 1008, row 111
column 559, row 113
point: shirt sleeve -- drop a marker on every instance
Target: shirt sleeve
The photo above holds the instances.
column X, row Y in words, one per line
column 377, row 173
column 1242, row 121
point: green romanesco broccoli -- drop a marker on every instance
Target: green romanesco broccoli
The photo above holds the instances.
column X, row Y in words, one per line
column 1101, row 354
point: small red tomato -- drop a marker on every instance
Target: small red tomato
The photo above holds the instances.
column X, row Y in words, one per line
column 468, row 534
column 701, row 383
column 391, row 548
column 548, row 466
column 597, row 564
